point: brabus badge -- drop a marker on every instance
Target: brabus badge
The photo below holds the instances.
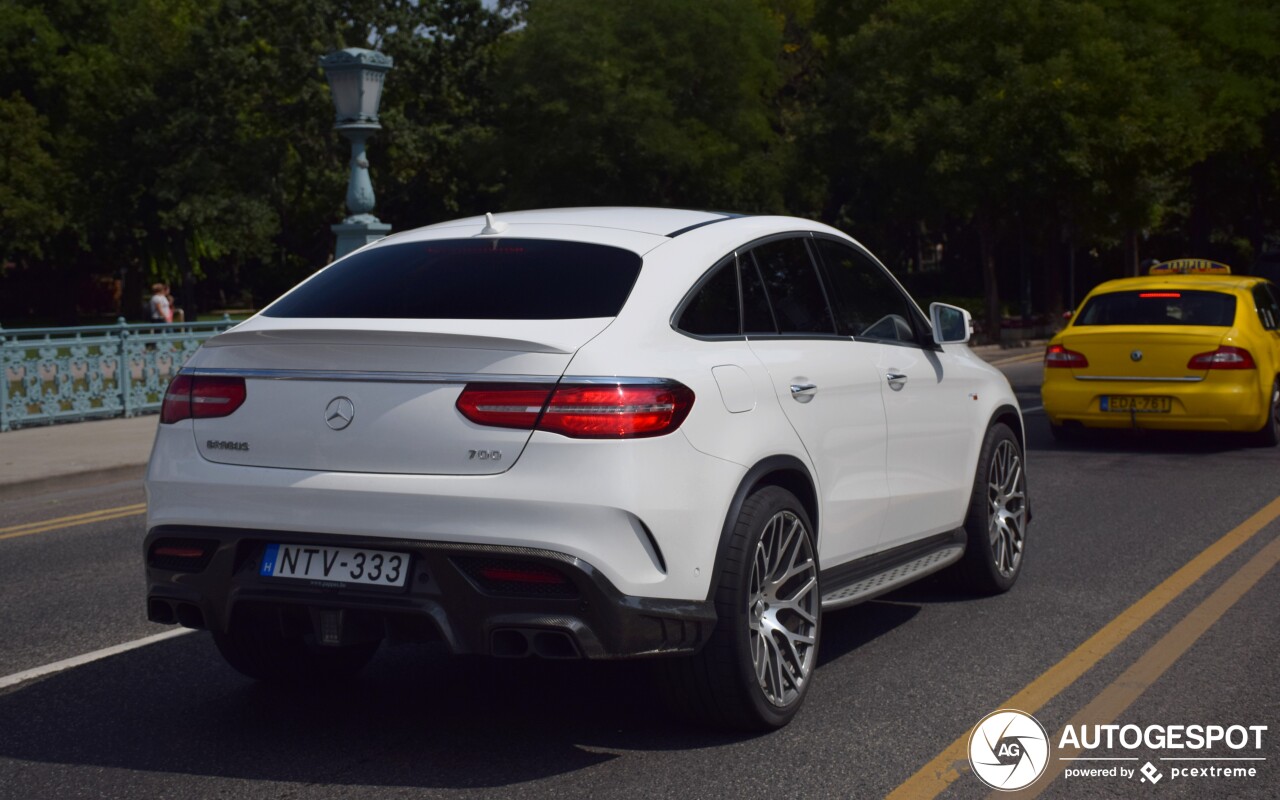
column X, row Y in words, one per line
column 339, row 413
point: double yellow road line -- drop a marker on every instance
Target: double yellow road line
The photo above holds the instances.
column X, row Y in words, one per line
column 933, row 778
column 88, row 518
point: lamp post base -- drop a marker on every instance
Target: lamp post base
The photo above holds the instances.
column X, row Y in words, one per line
column 354, row 235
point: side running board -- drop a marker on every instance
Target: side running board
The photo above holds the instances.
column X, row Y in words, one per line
column 874, row 575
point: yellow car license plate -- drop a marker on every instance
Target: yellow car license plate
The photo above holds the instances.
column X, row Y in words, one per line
column 1137, row 404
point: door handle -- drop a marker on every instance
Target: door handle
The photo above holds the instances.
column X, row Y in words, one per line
column 896, row 379
column 803, row 392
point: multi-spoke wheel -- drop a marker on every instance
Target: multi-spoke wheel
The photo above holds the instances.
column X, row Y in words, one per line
column 997, row 518
column 757, row 666
column 782, row 608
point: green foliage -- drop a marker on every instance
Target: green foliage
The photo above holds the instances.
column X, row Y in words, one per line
column 630, row 102
column 191, row 140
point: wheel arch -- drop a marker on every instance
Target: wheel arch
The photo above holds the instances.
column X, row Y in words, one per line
column 1012, row 417
column 784, row 471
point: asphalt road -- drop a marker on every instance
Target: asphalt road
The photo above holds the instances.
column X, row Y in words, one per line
column 1126, row 613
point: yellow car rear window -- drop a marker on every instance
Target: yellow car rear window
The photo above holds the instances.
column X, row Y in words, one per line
column 1159, row 307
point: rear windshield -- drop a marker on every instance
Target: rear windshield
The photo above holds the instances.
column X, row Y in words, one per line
column 1159, row 307
column 470, row 279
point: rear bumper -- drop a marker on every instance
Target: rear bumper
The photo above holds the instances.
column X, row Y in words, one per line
column 1215, row 404
column 645, row 513
column 445, row 598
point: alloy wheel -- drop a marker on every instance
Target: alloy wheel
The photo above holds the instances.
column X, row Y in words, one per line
column 783, row 608
column 1007, row 494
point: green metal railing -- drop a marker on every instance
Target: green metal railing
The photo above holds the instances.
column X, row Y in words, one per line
column 70, row 374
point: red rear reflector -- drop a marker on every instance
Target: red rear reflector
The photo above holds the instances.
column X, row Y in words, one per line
column 201, row 397
column 504, row 405
column 619, row 411
column 522, row 575
column 1223, row 358
column 1059, row 356
column 1160, row 294
column 179, row 552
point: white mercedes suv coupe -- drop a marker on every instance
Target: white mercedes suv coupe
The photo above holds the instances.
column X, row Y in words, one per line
column 582, row 433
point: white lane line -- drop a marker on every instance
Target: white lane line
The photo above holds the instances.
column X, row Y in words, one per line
column 76, row 661
column 1032, row 409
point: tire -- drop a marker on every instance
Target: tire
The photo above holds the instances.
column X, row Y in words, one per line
column 257, row 648
column 1269, row 434
column 757, row 665
column 996, row 522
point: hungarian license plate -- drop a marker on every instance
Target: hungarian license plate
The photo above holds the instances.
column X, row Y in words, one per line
column 1137, row 404
column 342, row 564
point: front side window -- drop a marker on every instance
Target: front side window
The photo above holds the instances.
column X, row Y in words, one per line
column 868, row 304
column 510, row 279
column 791, row 283
column 1159, row 307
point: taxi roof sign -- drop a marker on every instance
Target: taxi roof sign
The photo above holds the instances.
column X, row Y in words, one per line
column 1189, row 266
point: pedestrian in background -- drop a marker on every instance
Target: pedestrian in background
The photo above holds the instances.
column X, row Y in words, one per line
column 161, row 307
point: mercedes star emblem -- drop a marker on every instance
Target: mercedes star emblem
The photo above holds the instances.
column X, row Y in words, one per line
column 1136, row 355
column 339, row 413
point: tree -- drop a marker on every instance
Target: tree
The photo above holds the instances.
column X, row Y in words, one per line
column 663, row 102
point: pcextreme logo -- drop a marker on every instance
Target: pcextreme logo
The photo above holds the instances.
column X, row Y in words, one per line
column 1008, row 750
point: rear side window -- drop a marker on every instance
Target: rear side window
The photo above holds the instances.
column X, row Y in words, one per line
column 1160, row 307
column 791, row 282
column 470, row 279
column 713, row 309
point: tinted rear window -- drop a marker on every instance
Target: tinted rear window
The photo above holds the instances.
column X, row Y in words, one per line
column 1160, row 307
column 470, row 279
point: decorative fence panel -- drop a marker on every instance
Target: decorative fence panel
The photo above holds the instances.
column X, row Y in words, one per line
column 122, row 370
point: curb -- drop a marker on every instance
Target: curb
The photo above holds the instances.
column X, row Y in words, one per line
column 73, row 480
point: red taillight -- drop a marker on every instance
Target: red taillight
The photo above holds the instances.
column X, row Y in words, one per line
column 1223, row 358
column 539, row 575
column 504, row 405
column 201, row 397
column 1059, row 356
column 581, row 411
column 1160, row 294
column 177, row 400
column 621, row 411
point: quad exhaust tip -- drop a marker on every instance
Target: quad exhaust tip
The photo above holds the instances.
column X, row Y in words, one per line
column 188, row 615
column 524, row 642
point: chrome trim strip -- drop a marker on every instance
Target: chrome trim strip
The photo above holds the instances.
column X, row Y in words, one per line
column 363, row 376
column 610, row 381
column 1188, row 379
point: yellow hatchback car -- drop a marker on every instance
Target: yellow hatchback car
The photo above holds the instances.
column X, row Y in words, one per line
column 1188, row 347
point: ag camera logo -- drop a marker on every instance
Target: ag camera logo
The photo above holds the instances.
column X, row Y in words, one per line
column 1008, row 750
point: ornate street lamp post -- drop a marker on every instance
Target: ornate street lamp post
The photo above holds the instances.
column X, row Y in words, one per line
column 355, row 79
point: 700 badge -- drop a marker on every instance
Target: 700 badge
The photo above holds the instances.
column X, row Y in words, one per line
column 345, row 564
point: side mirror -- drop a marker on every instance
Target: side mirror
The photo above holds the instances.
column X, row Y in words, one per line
column 951, row 325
